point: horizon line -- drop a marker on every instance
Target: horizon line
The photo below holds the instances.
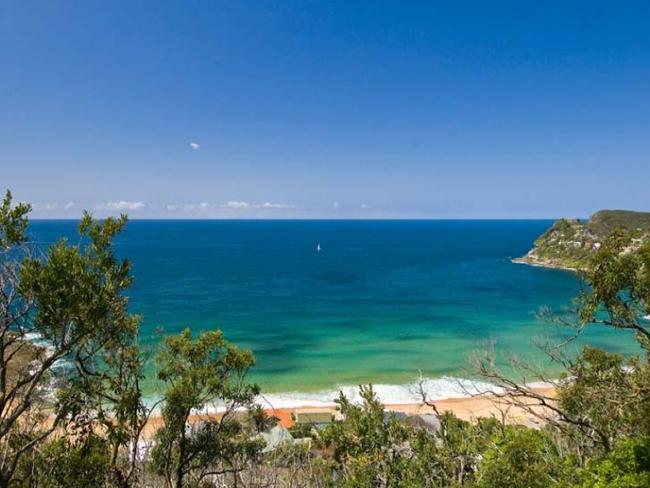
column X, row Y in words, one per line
column 305, row 219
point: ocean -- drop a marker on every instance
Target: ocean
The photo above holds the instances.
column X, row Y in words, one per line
column 385, row 302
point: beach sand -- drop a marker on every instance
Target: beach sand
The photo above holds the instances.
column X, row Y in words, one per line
column 466, row 408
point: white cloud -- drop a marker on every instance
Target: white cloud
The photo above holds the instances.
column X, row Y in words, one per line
column 45, row 206
column 122, row 205
column 189, row 206
column 230, row 205
column 364, row 205
column 48, row 207
column 236, row 204
column 195, row 145
column 336, row 205
column 270, row 205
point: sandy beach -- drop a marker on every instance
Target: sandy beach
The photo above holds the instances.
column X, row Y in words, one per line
column 466, row 408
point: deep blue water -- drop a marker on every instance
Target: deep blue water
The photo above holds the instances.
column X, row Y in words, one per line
column 380, row 302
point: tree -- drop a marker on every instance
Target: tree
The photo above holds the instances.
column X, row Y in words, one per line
column 601, row 397
column 626, row 466
column 522, row 458
column 19, row 389
column 461, row 445
column 72, row 463
column 202, row 373
column 607, row 396
column 259, row 420
column 619, row 288
column 369, row 449
column 373, row 448
column 72, row 299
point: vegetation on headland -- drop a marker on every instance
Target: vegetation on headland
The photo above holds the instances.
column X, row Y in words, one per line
column 88, row 431
column 571, row 243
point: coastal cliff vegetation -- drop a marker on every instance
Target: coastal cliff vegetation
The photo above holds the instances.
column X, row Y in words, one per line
column 572, row 243
column 72, row 411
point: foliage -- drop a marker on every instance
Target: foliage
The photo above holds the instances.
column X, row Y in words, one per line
column 259, row 420
column 522, row 458
column 604, row 222
column 626, row 466
column 73, row 298
column 602, row 398
column 607, row 396
column 300, row 431
column 372, row 448
column 368, row 448
column 567, row 243
column 596, row 430
column 66, row 463
column 199, row 373
column 13, row 222
column 462, row 444
column 619, row 294
column 82, row 311
column 570, row 243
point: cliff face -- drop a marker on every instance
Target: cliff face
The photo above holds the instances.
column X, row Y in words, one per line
column 570, row 243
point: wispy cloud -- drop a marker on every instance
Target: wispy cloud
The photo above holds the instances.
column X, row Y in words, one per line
column 365, row 205
column 236, row 204
column 51, row 206
column 271, row 205
column 172, row 207
column 336, row 205
column 45, row 207
column 229, row 205
column 122, row 205
column 195, row 145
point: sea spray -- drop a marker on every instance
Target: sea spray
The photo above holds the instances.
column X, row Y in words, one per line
column 399, row 394
column 403, row 394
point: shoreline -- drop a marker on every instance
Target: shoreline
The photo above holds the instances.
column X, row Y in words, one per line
column 466, row 408
column 540, row 263
column 394, row 394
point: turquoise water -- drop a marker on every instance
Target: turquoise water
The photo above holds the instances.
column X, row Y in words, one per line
column 381, row 302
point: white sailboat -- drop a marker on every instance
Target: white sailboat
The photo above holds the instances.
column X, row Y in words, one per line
column 318, row 247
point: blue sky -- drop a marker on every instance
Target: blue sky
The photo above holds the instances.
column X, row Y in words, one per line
column 331, row 109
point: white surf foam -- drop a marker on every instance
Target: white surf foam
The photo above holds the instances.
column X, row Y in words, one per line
column 388, row 394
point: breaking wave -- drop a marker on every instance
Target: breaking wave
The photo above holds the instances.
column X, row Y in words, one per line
column 388, row 394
